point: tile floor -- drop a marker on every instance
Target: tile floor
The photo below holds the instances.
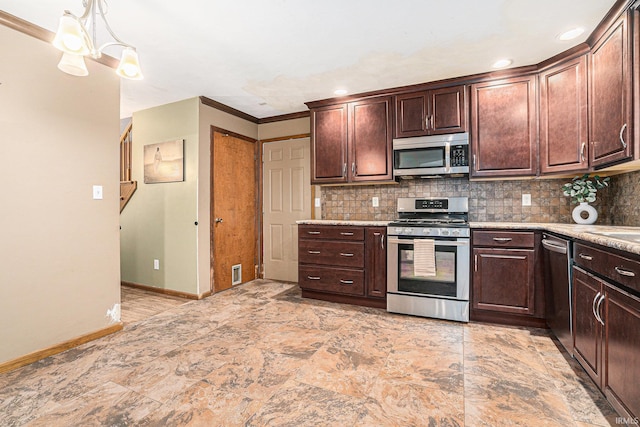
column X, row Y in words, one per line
column 261, row 355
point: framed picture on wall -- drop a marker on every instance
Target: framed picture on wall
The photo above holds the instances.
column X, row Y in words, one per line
column 164, row 162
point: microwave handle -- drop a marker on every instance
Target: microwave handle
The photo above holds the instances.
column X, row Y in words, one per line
column 397, row 241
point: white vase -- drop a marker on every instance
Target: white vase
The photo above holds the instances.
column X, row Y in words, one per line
column 584, row 207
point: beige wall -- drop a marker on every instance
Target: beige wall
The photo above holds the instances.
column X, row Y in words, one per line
column 159, row 221
column 284, row 128
column 59, row 247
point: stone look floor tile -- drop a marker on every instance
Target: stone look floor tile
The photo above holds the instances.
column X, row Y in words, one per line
column 259, row 355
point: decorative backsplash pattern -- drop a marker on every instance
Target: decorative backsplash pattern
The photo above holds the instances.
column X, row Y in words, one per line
column 625, row 199
column 488, row 200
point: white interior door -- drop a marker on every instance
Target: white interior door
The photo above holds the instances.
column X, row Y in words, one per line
column 287, row 199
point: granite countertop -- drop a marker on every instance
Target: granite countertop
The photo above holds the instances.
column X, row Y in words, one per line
column 574, row 231
column 343, row 222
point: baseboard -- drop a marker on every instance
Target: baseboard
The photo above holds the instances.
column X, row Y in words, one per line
column 30, row 358
column 166, row 291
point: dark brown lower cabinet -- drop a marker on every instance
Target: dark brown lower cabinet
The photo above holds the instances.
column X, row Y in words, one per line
column 506, row 271
column 346, row 264
column 606, row 328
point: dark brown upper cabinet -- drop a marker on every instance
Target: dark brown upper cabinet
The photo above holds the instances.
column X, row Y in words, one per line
column 504, row 127
column 351, row 142
column 563, row 117
column 610, row 96
column 431, row 112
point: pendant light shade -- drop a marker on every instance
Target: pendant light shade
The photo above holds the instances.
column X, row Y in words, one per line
column 129, row 66
column 74, row 39
column 73, row 64
column 70, row 37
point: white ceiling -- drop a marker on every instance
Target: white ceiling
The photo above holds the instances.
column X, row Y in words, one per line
column 267, row 57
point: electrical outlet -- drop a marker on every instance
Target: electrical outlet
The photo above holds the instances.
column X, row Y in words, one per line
column 317, row 202
column 526, row 200
column 375, row 202
column 156, row 264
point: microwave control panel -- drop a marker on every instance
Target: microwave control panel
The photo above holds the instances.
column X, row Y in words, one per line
column 459, row 155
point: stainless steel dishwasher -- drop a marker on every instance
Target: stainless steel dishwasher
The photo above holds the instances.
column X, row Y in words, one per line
column 557, row 258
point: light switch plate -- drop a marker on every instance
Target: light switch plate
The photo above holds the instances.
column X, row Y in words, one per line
column 97, row 192
column 317, row 202
column 526, row 200
column 375, row 202
column 156, row 264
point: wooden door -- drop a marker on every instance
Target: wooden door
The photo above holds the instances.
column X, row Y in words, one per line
column 411, row 114
column 447, row 110
column 504, row 127
column 503, row 280
column 329, row 144
column 234, row 210
column 622, row 350
column 563, row 117
column 586, row 328
column 376, row 262
column 287, row 198
column 610, row 120
column 370, row 140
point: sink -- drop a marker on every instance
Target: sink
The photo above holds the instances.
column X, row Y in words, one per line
column 622, row 235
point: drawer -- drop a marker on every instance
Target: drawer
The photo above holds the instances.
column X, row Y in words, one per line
column 590, row 258
column 329, row 252
column 612, row 266
column 504, row 239
column 330, row 232
column 334, row 280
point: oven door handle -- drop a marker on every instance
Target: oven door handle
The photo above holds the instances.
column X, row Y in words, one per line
column 397, row 241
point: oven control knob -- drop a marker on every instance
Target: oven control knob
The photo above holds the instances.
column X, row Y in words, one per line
column 408, row 230
column 398, row 230
column 455, row 232
column 444, row 232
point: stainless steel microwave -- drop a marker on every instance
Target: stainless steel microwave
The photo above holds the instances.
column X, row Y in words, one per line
column 431, row 155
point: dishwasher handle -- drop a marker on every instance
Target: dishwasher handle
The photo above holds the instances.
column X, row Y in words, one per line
column 554, row 247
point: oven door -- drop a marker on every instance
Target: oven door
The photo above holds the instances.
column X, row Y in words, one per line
column 452, row 269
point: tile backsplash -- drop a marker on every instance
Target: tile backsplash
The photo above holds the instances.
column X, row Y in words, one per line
column 488, row 200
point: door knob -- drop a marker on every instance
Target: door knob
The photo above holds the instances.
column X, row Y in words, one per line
column 218, row 220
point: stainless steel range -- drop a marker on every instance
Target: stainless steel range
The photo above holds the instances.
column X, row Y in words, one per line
column 428, row 258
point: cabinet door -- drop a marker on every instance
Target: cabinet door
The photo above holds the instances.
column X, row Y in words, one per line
column 329, row 144
column 411, row 114
column 586, row 328
column 563, row 117
column 370, row 140
column 376, row 262
column 503, row 280
column 622, row 351
column 447, row 110
column 503, row 127
column 610, row 120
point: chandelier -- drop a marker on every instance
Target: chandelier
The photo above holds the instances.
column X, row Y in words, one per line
column 75, row 41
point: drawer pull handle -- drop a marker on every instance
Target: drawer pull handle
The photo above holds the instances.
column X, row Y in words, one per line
column 314, row 252
column 313, row 278
column 343, row 254
column 624, row 272
column 346, row 282
column 313, row 232
column 345, row 233
column 587, row 257
column 502, row 239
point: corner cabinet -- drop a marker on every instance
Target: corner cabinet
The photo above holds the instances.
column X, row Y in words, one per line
column 506, row 285
column 346, row 264
column 351, row 142
column 431, row 112
column 610, row 96
column 504, row 138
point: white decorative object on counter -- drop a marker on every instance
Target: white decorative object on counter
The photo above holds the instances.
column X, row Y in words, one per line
column 584, row 207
